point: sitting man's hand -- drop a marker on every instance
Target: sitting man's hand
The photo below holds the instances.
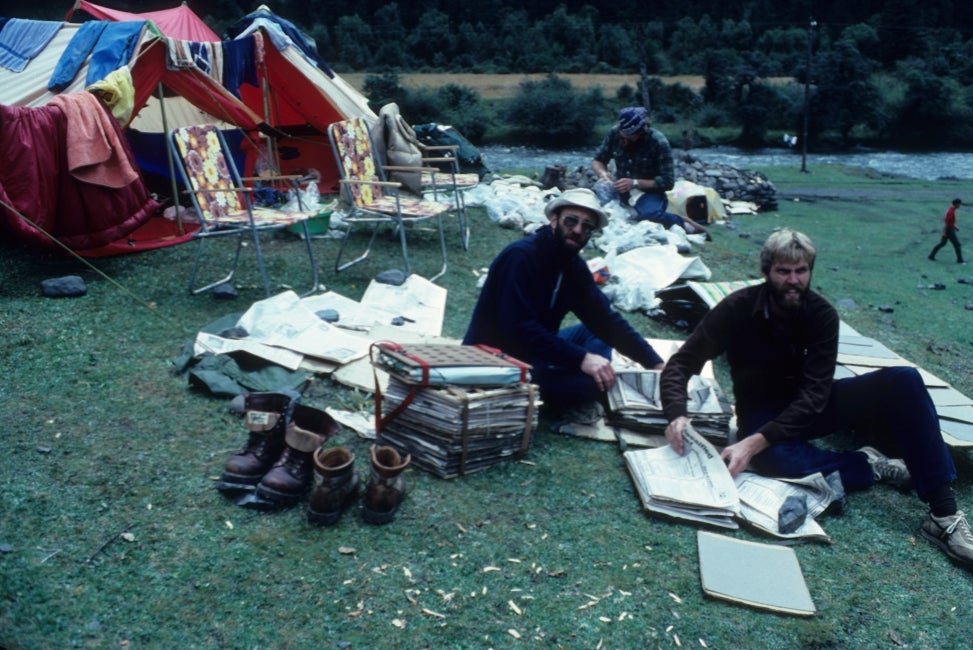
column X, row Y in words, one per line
column 737, row 456
column 674, row 434
column 600, row 369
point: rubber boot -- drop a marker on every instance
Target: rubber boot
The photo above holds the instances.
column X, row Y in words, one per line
column 336, row 485
column 290, row 477
column 265, row 415
column 386, row 487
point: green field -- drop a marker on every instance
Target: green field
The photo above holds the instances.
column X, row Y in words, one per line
column 113, row 536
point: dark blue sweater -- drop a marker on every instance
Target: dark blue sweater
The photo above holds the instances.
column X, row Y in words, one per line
column 531, row 287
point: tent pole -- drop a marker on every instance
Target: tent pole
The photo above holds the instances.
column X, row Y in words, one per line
column 172, row 165
column 74, row 7
column 271, row 158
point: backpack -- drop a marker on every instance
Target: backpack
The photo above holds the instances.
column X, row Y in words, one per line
column 469, row 156
column 396, row 145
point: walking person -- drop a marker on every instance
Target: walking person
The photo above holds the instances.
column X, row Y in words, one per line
column 949, row 233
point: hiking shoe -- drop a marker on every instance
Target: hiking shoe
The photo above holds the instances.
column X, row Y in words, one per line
column 887, row 470
column 952, row 534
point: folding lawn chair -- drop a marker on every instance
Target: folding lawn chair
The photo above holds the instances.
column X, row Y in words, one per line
column 375, row 200
column 224, row 206
column 396, row 142
column 451, row 181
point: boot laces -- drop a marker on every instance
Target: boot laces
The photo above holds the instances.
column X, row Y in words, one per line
column 293, row 462
column 964, row 527
column 259, row 446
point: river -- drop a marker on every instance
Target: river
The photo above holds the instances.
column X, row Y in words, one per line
column 926, row 166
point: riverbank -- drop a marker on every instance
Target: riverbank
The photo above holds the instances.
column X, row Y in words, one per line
column 926, row 166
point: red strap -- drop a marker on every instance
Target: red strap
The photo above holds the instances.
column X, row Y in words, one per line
column 397, row 348
column 380, row 421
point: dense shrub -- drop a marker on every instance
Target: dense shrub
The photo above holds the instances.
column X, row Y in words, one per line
column 421, row 106
column 758, row 105
column 382, row 89
column 451, row 104
column 460, row 107
column 712, row 116
column 551, row 113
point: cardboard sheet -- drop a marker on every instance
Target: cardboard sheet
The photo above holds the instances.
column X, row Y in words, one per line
column 765, row 576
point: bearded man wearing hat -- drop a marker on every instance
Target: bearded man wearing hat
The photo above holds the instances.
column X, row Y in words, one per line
column 644, row 168
column 533, row 284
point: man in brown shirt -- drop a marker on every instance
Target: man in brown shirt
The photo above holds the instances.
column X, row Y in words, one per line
column 780, row 339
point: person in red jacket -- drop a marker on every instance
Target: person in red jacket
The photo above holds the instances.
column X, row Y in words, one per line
column 949, row 233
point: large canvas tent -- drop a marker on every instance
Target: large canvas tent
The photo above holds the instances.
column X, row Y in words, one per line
column 179, row 22
column 281, row 102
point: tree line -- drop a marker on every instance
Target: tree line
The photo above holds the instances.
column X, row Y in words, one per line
column 896, row 71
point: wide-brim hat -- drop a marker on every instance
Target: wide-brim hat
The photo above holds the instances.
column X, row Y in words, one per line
column 580, row 197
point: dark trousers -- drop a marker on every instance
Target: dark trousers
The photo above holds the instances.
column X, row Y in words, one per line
column 893, row 406
column 562, row 387
column 948, row 236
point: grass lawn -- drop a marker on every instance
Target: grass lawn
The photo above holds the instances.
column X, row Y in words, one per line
column 113, row 536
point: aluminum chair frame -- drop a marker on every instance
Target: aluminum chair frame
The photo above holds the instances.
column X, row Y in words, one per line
column 225, row 206
column 373, row 199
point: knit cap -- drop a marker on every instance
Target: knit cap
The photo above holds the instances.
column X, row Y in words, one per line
column 632, row 120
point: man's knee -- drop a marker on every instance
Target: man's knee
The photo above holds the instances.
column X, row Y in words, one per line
column 902, row 378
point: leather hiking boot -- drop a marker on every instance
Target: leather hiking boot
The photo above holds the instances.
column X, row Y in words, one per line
column 265, row 415
column 290, row 477
column 386, row 486
column 336, row 485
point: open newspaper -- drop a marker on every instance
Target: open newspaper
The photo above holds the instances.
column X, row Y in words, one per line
column 697, row 486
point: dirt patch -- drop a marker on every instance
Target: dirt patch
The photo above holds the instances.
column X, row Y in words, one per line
column 505, row 86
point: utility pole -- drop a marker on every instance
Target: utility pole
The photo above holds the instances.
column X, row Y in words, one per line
column 807, row 94
column 643, row 71
column 646, row 102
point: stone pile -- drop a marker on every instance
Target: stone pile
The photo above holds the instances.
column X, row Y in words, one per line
column 730, row 183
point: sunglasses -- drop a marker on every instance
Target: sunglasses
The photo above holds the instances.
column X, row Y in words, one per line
column 571, row 222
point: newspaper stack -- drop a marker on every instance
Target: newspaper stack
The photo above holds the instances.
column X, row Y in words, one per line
column 694, row 486
column 635, row 405
column 698, row 487
column 456, row 409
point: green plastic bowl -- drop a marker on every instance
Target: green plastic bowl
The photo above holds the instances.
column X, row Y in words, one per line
column 316, row 225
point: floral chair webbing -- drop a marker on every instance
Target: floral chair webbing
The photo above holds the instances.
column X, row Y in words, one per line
column 206, row 169
column 354, row 148
column 216, row 194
